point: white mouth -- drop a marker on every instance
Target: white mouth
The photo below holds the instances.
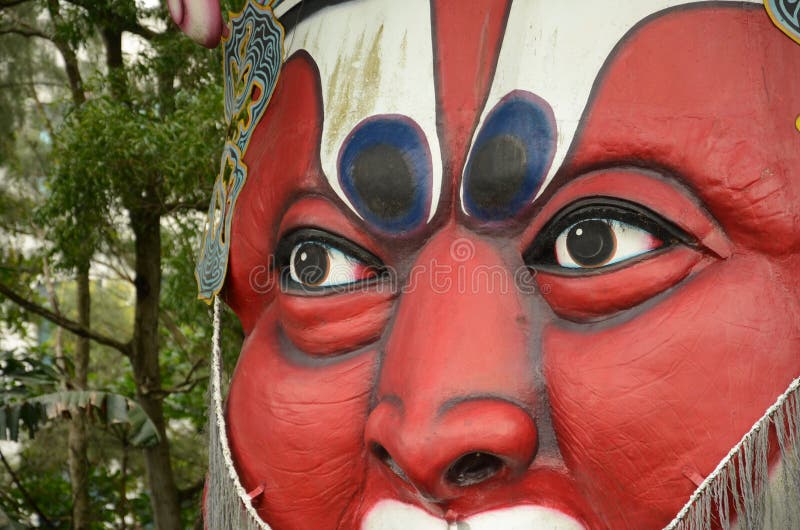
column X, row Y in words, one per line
column 394, row 515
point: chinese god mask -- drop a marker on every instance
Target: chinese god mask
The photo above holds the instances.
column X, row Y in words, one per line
column 510, row 265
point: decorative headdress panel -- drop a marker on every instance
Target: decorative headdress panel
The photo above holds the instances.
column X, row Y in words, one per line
column 786, row 15
column 253, row 57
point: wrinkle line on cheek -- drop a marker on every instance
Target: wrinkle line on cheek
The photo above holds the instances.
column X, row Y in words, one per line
column 337, row 468
column 650, row 350
column 315, row 328
column 288, row 404
column 356, row 500
column 288, row 419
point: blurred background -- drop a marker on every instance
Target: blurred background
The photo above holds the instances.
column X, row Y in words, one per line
column 111, row 127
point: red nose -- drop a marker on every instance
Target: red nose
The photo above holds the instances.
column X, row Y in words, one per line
column 456, row 390
column 474, row 442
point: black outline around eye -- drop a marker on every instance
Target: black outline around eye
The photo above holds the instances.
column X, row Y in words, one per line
column 283, row 253
column 541, row 252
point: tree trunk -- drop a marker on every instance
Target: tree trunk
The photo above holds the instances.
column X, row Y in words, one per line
column 145, row 223
column 69, row 56
column 122, row 506
column 115, row 61
column 78, row 435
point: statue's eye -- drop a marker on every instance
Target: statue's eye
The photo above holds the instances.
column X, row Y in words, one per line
column 317, row 264
column 312, row 259
column 600, row 232
column 599, row 242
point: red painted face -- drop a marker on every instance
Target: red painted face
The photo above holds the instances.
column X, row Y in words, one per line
column 453, row 350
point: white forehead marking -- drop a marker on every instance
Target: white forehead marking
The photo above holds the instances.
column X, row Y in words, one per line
column 555, row 49
column 374, row 57
column 281, row 8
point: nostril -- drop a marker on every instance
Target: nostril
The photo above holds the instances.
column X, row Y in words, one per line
column 380, row 452
column 383, row 455
column 473, row 468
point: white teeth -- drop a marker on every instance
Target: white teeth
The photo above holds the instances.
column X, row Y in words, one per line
column 523, row 518
column 394, row 515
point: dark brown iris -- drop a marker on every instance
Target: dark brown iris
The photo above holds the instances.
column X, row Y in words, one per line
column 591, row 243
column 311, row 263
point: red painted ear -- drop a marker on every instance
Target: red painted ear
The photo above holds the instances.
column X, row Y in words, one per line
column 282, row 160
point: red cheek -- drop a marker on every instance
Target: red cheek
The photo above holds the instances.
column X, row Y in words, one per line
column 593, row 296
column 669, row 375
column 297, row 428
column 325, row 325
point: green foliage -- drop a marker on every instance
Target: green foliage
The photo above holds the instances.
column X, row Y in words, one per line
column 106, row 154
column 113, row 411
column 6, row 523
column 41, row 468
column 22, row 377
column 72, row 176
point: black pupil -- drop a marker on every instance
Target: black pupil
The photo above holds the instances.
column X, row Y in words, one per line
column 311, row 263
column 591, row 243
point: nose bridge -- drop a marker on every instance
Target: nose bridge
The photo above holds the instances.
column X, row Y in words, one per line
column 461, row 328
column 456, row 385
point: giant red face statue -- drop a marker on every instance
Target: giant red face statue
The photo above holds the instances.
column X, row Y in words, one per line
column 513, row 264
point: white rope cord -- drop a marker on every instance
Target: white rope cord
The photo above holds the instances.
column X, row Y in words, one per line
column 220, row 434
column 762, row 423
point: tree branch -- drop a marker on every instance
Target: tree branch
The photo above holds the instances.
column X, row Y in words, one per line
column 198, row 205
column 25, row 32
column 27, row 496
column 121, row 23
column 11, row 3
column 116, row 269
column 69, row 325
column 42, row 112
column 188, row 384
column 20, row 27
column 25, row 84
column 69, row 56
column 176, row 333
column 61, row 362
column 145, row 33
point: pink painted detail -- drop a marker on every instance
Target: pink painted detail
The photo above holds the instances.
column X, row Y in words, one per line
column 200, row 20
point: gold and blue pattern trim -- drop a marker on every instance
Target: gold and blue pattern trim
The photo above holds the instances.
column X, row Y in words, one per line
column 786, row 15
column 253, row 56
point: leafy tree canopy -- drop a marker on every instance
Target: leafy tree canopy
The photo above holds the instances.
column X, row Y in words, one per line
column 110, row 135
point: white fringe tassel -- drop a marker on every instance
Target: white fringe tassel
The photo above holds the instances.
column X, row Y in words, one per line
column 760, row 502
column 228, row 506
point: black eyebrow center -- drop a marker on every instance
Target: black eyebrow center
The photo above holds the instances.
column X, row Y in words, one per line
column 383, row 180
column 497, row 173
